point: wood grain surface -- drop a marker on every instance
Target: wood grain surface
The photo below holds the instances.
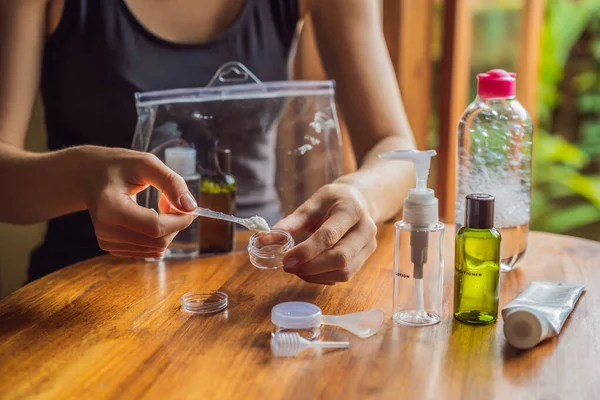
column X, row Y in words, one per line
column 113, row 329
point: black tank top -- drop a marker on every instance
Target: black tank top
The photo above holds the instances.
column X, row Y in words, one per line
column 100, row 55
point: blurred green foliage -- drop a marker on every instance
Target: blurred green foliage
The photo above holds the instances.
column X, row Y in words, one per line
column 565, row 198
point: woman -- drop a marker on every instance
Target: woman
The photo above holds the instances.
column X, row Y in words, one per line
column 89, row 58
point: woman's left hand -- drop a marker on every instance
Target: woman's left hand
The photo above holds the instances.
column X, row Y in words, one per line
column 342, row 235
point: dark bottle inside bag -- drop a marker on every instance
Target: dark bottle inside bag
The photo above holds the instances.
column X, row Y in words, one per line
column 217, row 191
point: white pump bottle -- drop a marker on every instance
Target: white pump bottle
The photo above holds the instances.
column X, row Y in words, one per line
column 419, row 248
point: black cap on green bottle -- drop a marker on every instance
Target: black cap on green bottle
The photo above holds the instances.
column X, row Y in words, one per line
column 479, row 212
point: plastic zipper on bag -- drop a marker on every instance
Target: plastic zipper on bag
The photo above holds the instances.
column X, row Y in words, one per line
column 227, row 84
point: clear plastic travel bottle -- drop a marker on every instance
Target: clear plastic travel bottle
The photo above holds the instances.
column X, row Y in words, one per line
column 494, row 156
column 183, row 161
column 418, row 250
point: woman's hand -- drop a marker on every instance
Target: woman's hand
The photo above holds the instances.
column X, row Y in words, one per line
column 343, row 235
column 112, row 178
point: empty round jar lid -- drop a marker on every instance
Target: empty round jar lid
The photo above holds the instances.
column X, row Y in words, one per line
column 296, row 315
column 205, row 302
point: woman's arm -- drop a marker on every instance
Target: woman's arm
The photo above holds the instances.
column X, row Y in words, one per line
column 354, row 53
column 341, row 215
column 36, row 187
column 28, row 192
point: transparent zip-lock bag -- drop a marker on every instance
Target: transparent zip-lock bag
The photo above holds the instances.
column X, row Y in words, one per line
column 244, row 147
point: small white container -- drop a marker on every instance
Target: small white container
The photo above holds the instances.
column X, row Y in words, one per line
column 297, row 316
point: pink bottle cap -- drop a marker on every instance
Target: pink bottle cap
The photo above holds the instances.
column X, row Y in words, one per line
column 496, row 84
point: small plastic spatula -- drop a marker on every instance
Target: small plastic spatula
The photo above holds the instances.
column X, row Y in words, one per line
column 363, row 324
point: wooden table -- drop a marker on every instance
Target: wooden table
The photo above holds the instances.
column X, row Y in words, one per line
column 108, row 328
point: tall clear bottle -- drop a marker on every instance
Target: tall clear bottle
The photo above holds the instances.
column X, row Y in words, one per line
column 183, row 161
column 494, row 156
column 419, row 249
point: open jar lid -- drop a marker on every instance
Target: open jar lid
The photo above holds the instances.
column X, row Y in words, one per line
column 296, row 315
column 204, row 302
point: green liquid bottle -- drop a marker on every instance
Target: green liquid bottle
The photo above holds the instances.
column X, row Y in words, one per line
column 477, row 263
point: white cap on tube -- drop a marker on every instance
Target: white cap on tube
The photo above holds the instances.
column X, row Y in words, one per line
column 421, row 205
column 524, row 328
column 181, row 160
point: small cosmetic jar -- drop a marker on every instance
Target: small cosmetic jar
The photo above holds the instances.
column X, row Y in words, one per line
column 267, row 249
column 207, row 302
column 297, row 316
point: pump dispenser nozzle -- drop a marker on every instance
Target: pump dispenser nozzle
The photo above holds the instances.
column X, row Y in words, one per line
column 420, row 213
column 421, row 159
column 420, row 206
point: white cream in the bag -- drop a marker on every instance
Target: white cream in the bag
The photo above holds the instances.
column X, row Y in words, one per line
column 539, row 312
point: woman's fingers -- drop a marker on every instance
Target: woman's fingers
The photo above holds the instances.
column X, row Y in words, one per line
column 312, row 212
column 112, row 246
column 342, row 274
column 126, row 254
column 340, row 221
column 152, row 171
column 343, row 254
column 296, row 222
column 114, row 233
column 119, row 209
column 165, row 206
column 130, row 230
column 311, row 279
column 147, row 221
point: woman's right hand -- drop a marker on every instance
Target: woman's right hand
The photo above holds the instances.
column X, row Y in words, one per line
column 123, row 228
